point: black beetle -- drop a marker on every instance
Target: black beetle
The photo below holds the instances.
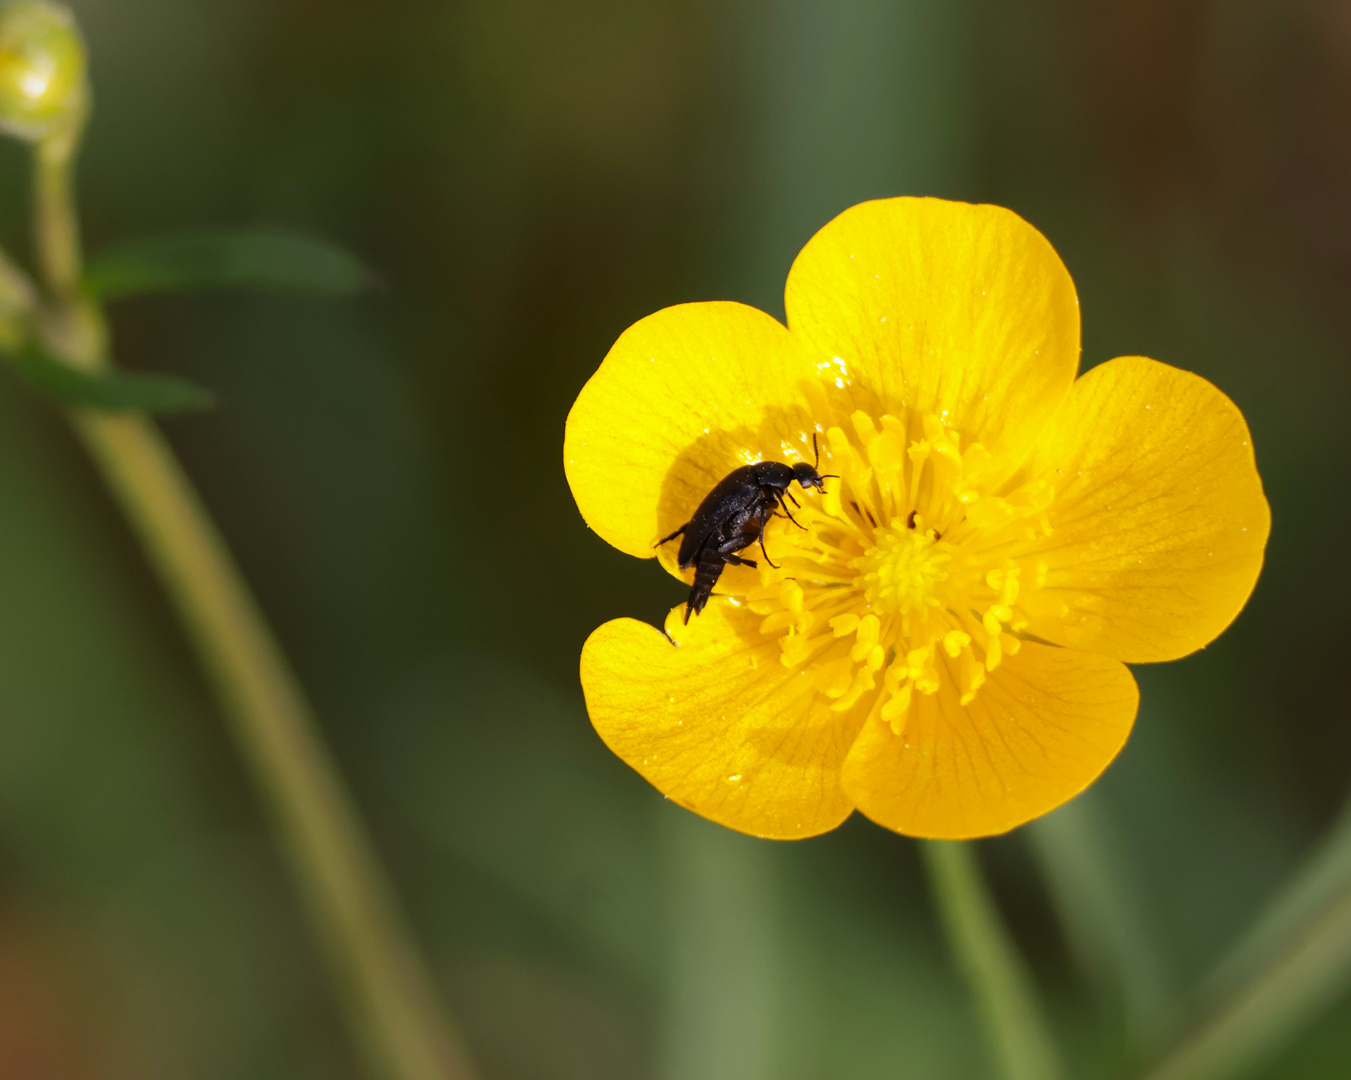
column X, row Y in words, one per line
column 733, row 516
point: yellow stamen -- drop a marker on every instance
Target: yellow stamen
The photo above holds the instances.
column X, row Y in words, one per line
column 901, row 573
column 912, row 554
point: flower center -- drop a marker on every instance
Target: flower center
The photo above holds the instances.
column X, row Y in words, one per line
column 906, row 573
column 901, row 573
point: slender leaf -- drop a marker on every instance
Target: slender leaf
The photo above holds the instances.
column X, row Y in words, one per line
column 1096, row 899
column 260, row 260
column 1246, row 1030
column 1320, row 883
column 1289, row 967
column 112, row 391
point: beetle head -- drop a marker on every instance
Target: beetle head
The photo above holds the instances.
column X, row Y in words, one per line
column 807, row 475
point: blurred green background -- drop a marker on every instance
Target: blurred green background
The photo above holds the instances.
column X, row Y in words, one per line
column 528, row 178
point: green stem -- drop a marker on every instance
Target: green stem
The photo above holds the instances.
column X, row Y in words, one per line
column 387, row 991
column 56, row 228
column 1019, row 1037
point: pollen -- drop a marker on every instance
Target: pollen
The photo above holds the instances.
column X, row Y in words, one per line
column 904, row 576
column 903, row 571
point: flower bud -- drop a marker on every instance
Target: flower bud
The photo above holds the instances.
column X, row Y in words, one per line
column 42, row 68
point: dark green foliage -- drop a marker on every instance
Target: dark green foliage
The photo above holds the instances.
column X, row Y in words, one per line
column 110, row 391
column 199, row 261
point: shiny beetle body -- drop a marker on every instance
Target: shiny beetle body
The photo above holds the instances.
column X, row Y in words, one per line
column 732, row 517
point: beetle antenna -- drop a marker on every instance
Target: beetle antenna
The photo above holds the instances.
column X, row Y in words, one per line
column 816, row 451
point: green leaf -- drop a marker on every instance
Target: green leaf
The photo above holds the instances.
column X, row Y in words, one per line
column 1240, row 1034
column 1323, row 879
column 189, row 261
column 1289, row 968
column 110, row 391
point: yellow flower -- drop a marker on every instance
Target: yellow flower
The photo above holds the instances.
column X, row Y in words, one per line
column 944, row 646
column 42, row 68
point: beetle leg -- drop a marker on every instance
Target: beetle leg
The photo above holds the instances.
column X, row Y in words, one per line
column 789, row 495
column 762, row 548
column 790, row 517
column 671, row 537
column 737, row 560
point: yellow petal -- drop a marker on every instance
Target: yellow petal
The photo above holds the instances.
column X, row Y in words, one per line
column 717, row 723
column 684, row 397
column 1159, row 521
column 961, row 311
column 1044, row 725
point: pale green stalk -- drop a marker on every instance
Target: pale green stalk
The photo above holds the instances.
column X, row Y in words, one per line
column 1015, row 1026
column 56, row 230
column 386, row 989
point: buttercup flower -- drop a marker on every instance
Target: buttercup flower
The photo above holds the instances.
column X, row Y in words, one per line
column 42, row 68
column 943, row 645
